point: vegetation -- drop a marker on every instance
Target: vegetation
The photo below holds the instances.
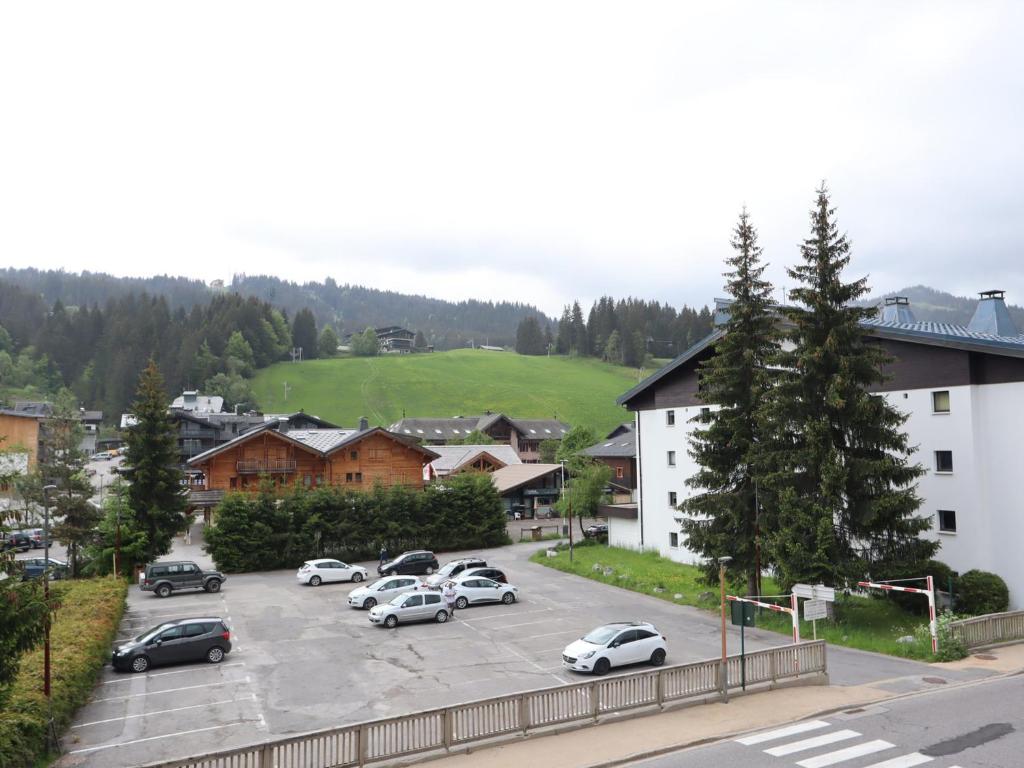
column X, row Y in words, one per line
column 264, row 532
column 84, row 627
column 365, row 344
column 327, row 346
column 530, row 338
column 579, row 391
column 980, row 592
column 22, row 613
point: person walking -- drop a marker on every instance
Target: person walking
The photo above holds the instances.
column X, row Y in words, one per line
column 383, row 555
column 449, row 598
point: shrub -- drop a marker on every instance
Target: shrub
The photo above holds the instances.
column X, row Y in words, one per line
column 980, row 592
column 83, row 630
column 908, row 601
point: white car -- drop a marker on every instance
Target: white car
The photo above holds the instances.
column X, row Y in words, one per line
column 471, row 590
column 382, row 591
column 419, row 605
column 316, row 572
column 615, row 645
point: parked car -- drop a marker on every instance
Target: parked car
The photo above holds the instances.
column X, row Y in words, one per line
column 165, row 578
column 37, row 537
column 596, row 531
column 35, row 566
column 417, row 562
column 453, row 568
column 471, row 590
column 173, row 642
column 421, row 605
column 615, row 645
column 17, row 540
column 315, row 572
column 494, row 574
column 381, row 591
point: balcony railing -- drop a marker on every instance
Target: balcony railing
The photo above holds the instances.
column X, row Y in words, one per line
column 265, row 466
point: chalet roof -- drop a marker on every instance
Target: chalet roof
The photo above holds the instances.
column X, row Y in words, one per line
column 458, row 427
column 22, row 414
column 621, row 446
column 193, row 401
column 541, row 429
column 322, row 440
column 515, row 476
column 288, row 418
column 451, row 457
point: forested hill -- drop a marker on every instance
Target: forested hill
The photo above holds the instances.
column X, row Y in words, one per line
column 931, row 305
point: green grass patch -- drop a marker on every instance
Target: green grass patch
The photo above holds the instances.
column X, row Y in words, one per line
column 441, row 384
column 869, row 624
column 83, row 631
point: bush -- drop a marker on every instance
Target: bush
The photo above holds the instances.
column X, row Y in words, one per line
column 83, row 630
column 981, row 592
column 908, row 601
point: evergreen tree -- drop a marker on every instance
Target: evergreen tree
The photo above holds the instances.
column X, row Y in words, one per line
column 836, row 462
column 328, row 343
column 563, row 344
column 238, row 355
column 529, row 338
column 420, row 342
column 235, row 390
column 613, row 349
column 723, row 517
column 365, row 344
column 155, row 495
column 580, row 344
column 304, row 333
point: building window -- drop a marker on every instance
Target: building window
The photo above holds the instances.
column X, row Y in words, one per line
column 673, row 540
column 348, row 477
column 354, row 455
column 359, row 477
column 705, row 415
column 947, row 521
column 943, row 461
column 672, row 499
column 670, row 418
column 619, row 473
column 940, row 401
column 671, row 458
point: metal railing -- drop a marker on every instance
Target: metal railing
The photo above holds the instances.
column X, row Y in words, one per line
column 990, row 629
column 515, row 715
column 261, row 466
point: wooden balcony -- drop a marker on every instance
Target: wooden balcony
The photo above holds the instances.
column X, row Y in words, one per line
column 265, row 466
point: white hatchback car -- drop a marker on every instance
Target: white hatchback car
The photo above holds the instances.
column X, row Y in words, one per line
column 381, row 591
column 615, row 645
column 471, row 590
column 316, row 572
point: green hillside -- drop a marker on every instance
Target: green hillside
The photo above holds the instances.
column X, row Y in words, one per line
column 460, row 382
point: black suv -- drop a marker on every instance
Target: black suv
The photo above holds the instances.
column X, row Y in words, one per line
column 415, row 563
column 164, row 578
column 173, row 642
column 17, row 540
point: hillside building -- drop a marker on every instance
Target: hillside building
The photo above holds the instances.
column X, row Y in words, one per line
column 618, row 452
column 524, row 435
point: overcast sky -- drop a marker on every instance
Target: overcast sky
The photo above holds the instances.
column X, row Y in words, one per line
column 527, row 151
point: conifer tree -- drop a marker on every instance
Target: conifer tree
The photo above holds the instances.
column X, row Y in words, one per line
column 837, row 464
column 723, row 517
column 155, row 494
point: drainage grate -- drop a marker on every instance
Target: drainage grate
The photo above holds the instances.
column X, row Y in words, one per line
column 935, row 680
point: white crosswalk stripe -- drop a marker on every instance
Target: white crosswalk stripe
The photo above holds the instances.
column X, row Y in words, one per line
column 817, row 741
column 849, row 753
column 781, row 733
column 904, row 761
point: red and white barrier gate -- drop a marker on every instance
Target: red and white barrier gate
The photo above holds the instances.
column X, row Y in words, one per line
column 792, row 610
column 929, row 593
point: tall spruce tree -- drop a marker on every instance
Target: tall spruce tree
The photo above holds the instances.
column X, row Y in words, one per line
column 723, row 517
column 155, row 494
column 837, row 465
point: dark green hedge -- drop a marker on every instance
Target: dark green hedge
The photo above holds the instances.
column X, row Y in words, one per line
column 84, row 627
column 981, row 592
column 264, row 531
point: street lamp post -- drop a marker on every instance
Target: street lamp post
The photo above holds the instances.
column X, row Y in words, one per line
column 570, row 509
column 723, row 562
column 46, row 599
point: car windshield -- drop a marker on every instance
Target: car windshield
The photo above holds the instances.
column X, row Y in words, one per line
column 447, row 569
column 601, row 635
column 149, row 634
column 398, row 599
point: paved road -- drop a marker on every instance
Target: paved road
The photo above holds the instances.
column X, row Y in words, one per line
column 976, row 726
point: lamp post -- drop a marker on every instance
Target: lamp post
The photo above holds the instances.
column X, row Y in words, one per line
column 46, row 591
column 723, row 562
column 570, row 508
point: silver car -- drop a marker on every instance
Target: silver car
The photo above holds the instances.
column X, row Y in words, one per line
column 381, row 591
column 421, row 605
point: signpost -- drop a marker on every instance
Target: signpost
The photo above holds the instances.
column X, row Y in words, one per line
column 818, row 596
column 814, row 610
column 742, row 616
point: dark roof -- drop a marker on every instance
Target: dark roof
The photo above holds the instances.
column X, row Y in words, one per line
column 459, row 426
column 621, row 446
column 22, row 414
column 680, row 361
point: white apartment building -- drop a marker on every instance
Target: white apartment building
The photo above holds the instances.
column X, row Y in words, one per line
column 962, row 388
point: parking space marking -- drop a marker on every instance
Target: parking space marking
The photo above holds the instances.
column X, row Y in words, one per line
column 250, row 697
column 175, row 672
column 511, row 613
column 550, row 634
column 169, row 690
column 155, row 738
column 525, row 624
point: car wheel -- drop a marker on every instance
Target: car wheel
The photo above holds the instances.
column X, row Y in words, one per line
column 602, row 666
column 369, row 602
column 462, row 603
column 658, row 657
column 430, row 570
column 357, row 577
column 215, row 655
column 164, row 590
column 390, row 573
column 213, row 585
column 140, row 664
column 441, row 617
column 391, row 621
column 508, row 598
column 314, row 581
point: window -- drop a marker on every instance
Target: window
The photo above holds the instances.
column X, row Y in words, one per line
column 195, row 630
column 943, row 461
column 947, row 521
column 618, row 473
column 413, row 600
column 359, row 477
column 628, row 636
column 940, row 401
column 671, row 458
column 171, row 634
column 672, row 499
column 670, row 418
column 705, row 415
column 433, row 599
column 673, row 540
column 354, row 455
column 348, row 477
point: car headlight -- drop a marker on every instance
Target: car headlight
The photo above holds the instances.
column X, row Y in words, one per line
column 586, row 655
column 122, row 651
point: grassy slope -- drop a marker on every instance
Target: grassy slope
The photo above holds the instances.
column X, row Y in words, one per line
column 465, row 381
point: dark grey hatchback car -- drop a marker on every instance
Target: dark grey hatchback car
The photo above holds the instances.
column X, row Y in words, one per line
column 202, row 639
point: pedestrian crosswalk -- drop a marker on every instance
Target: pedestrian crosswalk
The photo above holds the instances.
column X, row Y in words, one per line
column 812, row 736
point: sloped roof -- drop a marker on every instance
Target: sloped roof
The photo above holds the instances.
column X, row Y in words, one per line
column 459, row 426
column 451, row 457
column 516, row 475
column 203, row 403
column 542, row 429
column 322, row 440
column 621, row 446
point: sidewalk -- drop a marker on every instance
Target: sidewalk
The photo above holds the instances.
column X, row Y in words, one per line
column 630, row 739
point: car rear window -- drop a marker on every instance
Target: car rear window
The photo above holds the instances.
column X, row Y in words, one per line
column 158, row 570
column 432, row 599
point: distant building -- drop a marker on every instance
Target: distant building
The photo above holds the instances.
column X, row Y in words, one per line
column 528, row 490
column 524, row 435
column 618, row 451
column 191, row 400
column 390, row 339
column 16, row 426
column 453, row 459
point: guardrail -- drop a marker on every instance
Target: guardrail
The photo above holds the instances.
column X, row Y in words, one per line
column 990, row 629
column 515, row 715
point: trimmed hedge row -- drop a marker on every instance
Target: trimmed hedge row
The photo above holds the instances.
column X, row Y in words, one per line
column 84, row 626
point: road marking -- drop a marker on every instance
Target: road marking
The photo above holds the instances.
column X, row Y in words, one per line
column 169, row 690
column 779, row 733
column 251, row 697
column 817, row 741
column 858, row 750
column 905, row 761
column 175, row 672
column 511, row 613
column 549, row 634
column 525, row 624
column 154, row 738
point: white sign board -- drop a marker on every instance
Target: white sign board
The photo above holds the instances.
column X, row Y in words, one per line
column 815, row 609
column 816, row 592
column 805, row 591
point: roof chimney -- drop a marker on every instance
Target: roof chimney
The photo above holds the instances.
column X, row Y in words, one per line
column 363, row 424
column 991, row 316
column 897, row 310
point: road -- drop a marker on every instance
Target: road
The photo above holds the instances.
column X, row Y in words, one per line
column 980, row 725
